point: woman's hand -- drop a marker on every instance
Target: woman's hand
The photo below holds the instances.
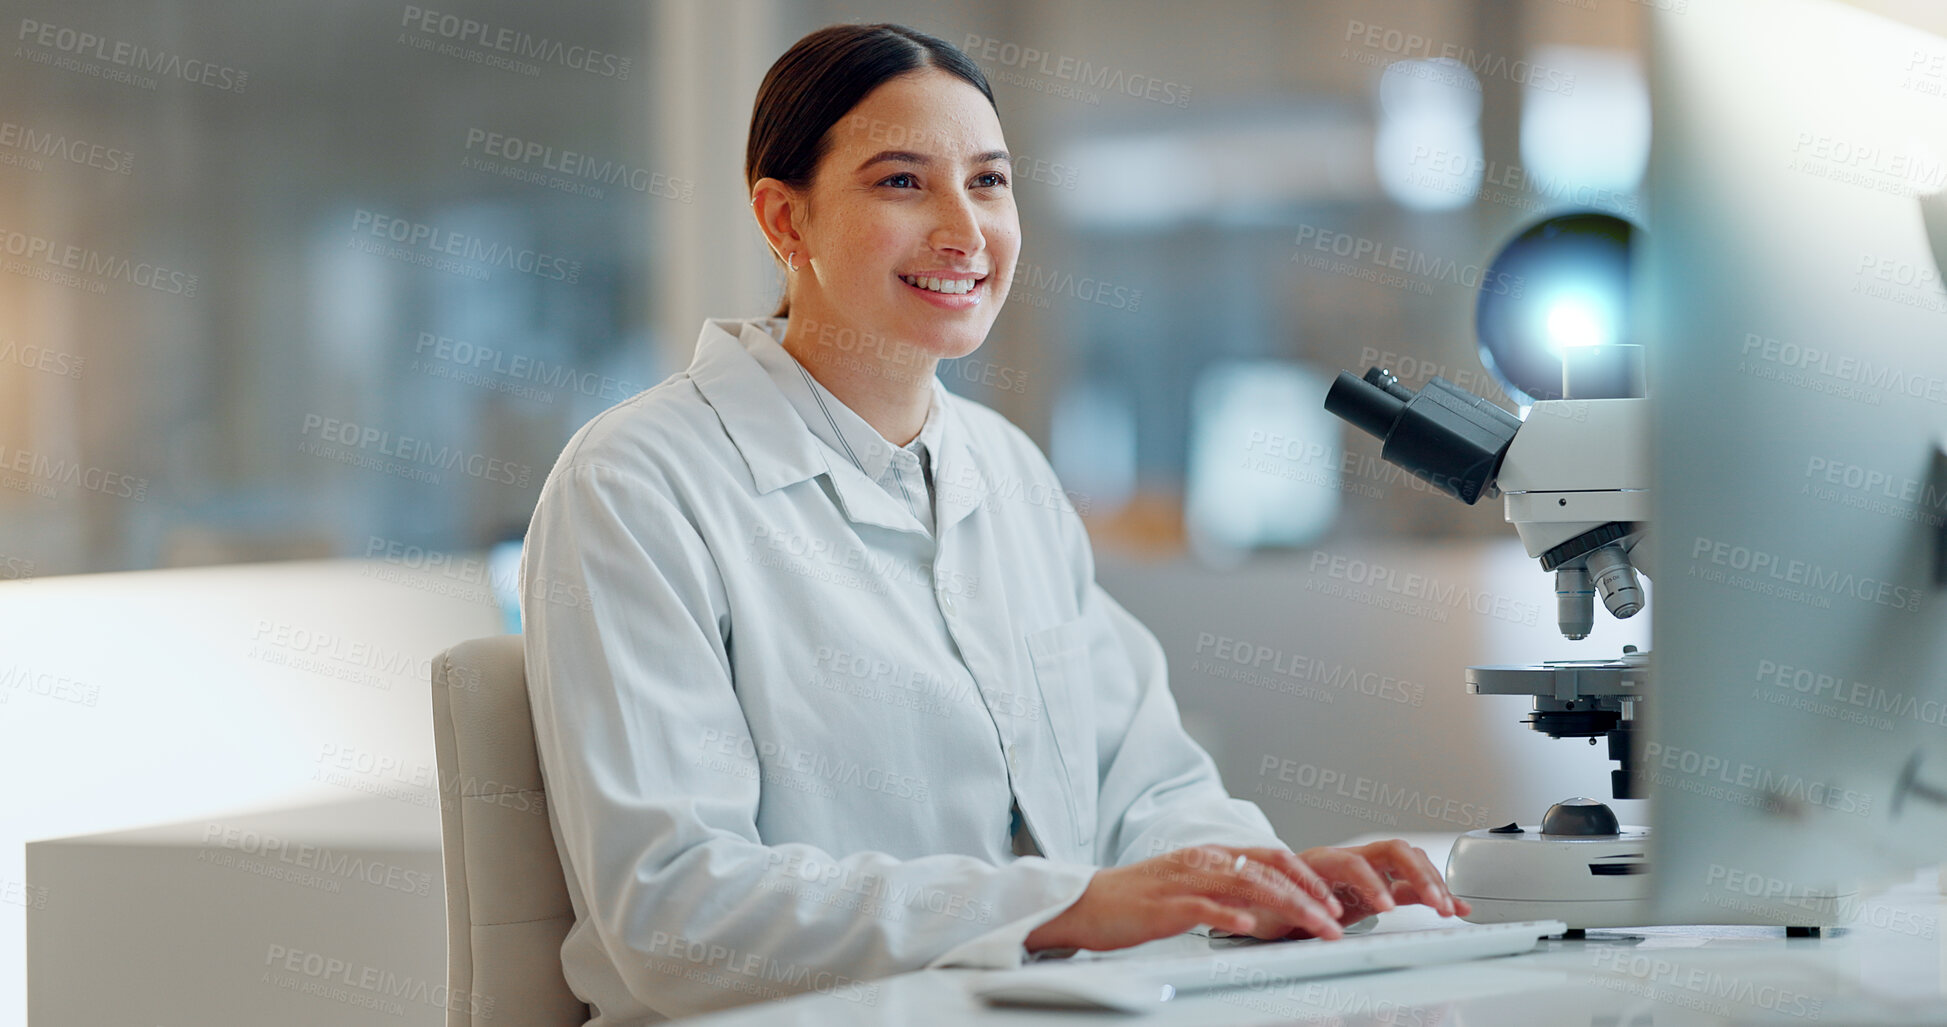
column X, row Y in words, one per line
column 1378, row 876
column 1274, row 894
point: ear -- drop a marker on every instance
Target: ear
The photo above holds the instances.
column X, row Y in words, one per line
column 779, row 210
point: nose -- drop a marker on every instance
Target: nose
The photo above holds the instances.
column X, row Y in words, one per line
column 958, row 229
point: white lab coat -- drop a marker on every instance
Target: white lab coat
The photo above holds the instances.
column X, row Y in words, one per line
column 782, row 731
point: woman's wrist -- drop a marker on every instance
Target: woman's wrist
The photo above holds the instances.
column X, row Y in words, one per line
column 1058, row 932
column 1051, row 935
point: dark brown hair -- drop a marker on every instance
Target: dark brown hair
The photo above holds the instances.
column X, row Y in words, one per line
column 819, row 80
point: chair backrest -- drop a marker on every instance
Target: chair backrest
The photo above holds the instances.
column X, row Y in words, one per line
column 507, row 906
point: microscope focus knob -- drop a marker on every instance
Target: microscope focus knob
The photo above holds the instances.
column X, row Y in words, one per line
column 1580, row 817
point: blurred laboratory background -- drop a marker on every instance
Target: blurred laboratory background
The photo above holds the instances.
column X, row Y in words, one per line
column 1223, row 204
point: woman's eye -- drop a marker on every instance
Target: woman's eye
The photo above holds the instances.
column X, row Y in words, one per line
column 990, row 180
column 903, row 180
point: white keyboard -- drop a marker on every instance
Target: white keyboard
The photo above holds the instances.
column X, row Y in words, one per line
column 1136, row 983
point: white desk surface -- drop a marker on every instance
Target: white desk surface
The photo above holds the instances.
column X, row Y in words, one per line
column 1889, row 967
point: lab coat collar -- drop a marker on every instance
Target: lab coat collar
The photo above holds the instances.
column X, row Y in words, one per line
column 778, row 449
column 773, row 439
column 957, row 478
column 835, row 424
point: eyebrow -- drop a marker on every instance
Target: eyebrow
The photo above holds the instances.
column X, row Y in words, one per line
column 923, row 160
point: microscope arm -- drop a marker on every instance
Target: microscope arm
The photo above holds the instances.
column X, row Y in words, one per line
column 1576, row 465
column 1575, row 481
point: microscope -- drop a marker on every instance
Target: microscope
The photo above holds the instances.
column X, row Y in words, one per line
column 1575, row 478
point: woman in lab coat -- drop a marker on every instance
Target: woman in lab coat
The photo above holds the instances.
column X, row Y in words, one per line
column 823, row 685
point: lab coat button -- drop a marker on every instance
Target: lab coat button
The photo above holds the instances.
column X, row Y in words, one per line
column 1013, row 765
column 946, row 603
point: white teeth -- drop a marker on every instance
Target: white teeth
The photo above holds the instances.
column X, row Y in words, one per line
column 949, row 286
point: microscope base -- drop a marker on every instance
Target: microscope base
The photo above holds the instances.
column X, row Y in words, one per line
column 1597, row 881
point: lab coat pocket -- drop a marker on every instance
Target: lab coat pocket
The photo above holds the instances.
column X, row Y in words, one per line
column 1062, row 672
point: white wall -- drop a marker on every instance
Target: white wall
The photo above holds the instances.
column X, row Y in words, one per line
column 142, row 698
column 1456, row 761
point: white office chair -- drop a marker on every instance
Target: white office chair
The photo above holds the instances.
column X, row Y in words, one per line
column 507, row 907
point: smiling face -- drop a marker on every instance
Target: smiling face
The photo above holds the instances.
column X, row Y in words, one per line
column 908, row 229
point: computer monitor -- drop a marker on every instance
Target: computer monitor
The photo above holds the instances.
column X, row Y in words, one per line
column 1796, row 327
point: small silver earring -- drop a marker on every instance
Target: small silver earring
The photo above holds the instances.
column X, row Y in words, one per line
column 791, row 261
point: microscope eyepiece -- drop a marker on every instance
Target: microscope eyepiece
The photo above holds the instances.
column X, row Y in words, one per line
column 1368, row 404
column 1447, row 436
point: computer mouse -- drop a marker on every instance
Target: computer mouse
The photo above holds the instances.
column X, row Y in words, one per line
column 1071, row 987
